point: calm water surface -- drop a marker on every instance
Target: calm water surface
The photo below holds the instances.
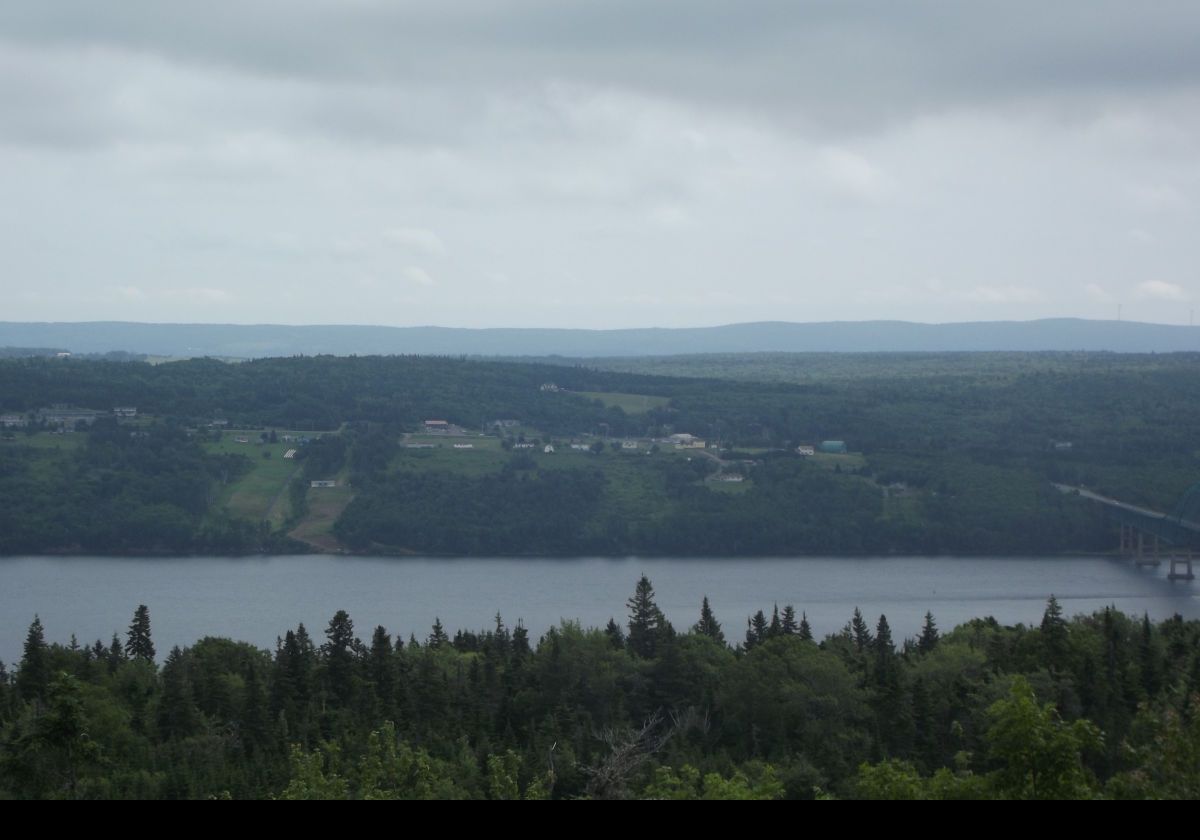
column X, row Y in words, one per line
column 256, row 599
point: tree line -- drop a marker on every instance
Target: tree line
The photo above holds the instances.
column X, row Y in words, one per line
column 1097, row 706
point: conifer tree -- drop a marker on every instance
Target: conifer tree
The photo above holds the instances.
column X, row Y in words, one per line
column 616, row 638
column 380, row 670
column 805, row 630
column 138, row 644
column 860, row 631
column 775, row 628
column 437, row 635
column 789, row 621
column 708, row 624
column 339, row 656
column 929, row 635
column 520, row 640
column 34, row 676
column 756, row 630
column 1054, row 632
column 883, row 637
column 647, row 625
column 116, row 654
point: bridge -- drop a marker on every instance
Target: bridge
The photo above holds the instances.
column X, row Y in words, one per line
column 1150, row 536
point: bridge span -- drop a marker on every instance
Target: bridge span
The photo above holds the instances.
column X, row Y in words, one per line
column 1151, row 536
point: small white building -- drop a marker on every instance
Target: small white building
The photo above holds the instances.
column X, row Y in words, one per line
column 549, row 449
column 322, row 484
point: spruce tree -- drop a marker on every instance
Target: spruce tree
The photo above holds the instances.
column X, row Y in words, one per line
column 34, row 675
column 138, row 644
column 883, row 637
column 805, row 630
column 789, row 621
column 615, row 637
column 929, row 635
column 756, row 630
column 116, row 654
column 775, row 628
column 1054, row 633
column 339, row 655
column 437, row 635
column 861, row 633
column 647, row 625
column 520, row 640
column 708, row 624
column 381, row 672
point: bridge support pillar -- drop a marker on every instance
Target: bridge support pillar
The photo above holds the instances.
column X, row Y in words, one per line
column 1148, row 559
column 1181, row 567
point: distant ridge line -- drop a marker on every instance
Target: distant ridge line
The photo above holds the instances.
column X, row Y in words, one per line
column 259, row 340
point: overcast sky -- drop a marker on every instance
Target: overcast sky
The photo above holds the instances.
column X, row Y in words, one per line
column 599, row 164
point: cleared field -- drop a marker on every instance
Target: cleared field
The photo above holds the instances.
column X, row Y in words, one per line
column 730, row 487
column 325, row 505
column 260, row 494
column 47, row 440
column 849, row 461
column 629, row 403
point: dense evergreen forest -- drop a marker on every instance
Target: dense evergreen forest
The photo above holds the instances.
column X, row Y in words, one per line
column 956, row 454
column 1100, row 706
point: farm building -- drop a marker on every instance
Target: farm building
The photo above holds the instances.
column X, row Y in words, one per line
column 125, row 411
column 322, row 484
column 11, row 421
column 833, row 447
column 806, row 450
column 68, row 416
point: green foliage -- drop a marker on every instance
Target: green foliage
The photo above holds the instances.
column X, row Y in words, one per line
column 952, row 454
column 1040, row 755
column 489, row 714
column 138, row 644
column 687, row 784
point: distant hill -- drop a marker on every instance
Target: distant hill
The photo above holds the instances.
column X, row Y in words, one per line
column 257, row 341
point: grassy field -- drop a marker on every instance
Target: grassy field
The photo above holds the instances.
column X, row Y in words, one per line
column 629, row 403
column 262, row 492
column 47, row 440
column 731, row 487
column 849, row 461
column 325, row 505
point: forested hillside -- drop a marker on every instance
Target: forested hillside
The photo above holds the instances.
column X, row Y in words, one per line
column 959, row 459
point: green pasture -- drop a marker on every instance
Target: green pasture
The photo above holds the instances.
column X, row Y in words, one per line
column 629, row 403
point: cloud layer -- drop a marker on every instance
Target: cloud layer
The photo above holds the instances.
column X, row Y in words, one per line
column 602, row 165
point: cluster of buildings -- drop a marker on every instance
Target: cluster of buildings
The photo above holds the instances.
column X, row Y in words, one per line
column 63, row 417
column 828, row 447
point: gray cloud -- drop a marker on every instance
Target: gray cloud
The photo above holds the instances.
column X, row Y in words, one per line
column 617, row 163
